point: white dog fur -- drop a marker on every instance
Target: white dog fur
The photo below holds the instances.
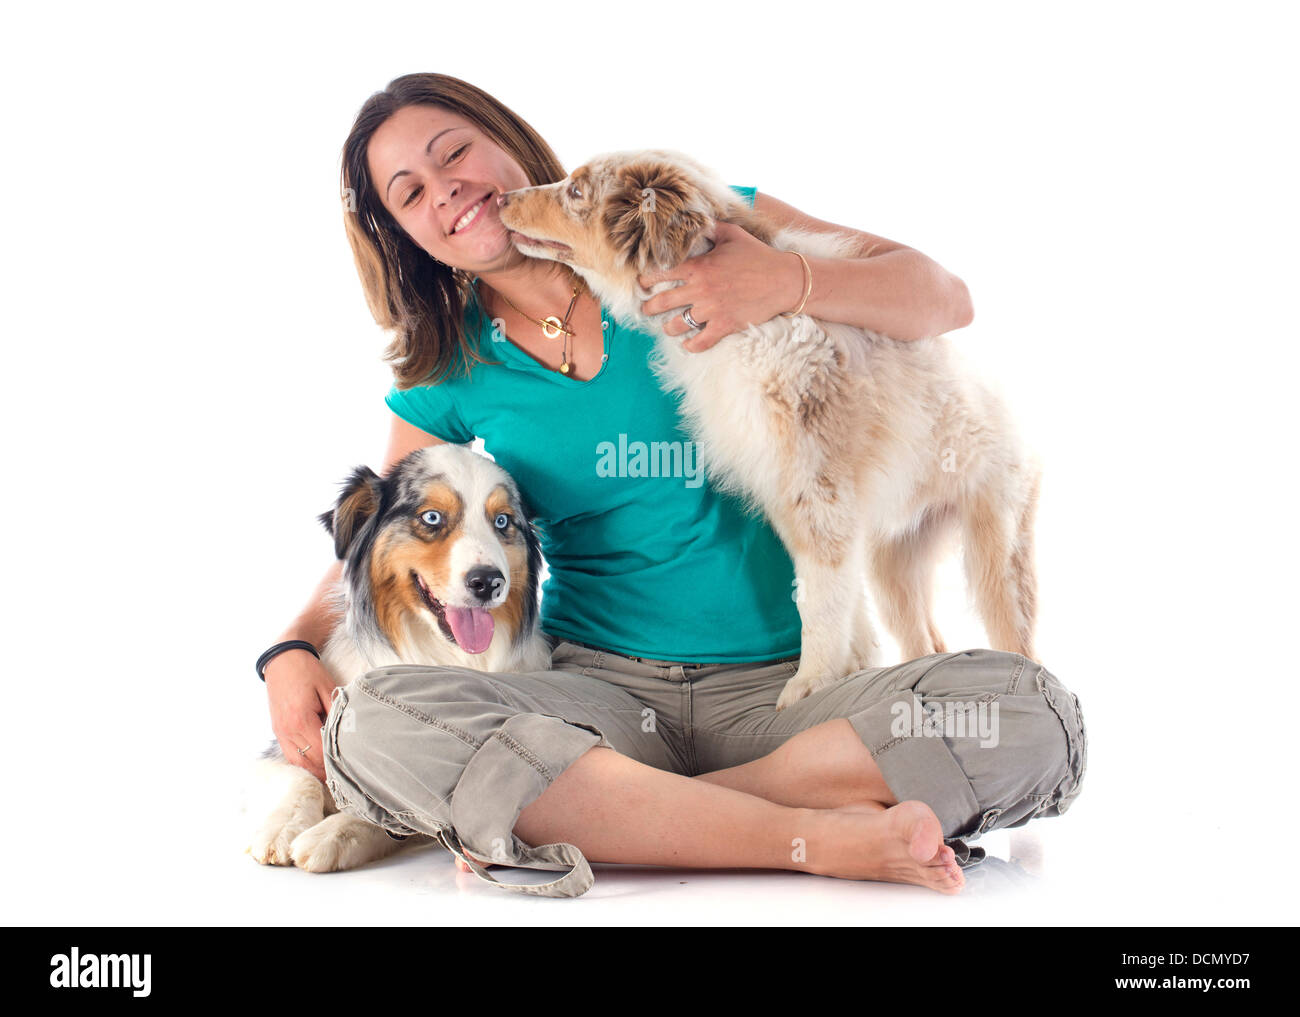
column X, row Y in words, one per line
column 864, row 452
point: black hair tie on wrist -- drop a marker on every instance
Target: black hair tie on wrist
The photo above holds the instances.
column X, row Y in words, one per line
column 279, row 648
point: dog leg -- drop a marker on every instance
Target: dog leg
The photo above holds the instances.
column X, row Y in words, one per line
column 999, row 550
column 864, row 648
column 1024, row 576
column 902, row 568
column 302, row 803
column 827, row 596
column 341, row 842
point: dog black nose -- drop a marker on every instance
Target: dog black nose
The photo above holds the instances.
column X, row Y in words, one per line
column 484, row 582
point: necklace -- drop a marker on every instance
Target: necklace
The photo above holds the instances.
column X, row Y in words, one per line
column 551, row 326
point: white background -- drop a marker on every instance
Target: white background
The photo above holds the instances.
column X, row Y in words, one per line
column 190, row 369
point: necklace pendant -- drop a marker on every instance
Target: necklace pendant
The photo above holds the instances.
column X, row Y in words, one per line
column 564, row 367
column 552, row 327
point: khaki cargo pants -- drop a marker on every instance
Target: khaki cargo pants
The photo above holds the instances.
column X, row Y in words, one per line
column 987, row 739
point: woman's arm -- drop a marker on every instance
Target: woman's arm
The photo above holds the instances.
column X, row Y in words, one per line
column 889, row 288
column 298, row 688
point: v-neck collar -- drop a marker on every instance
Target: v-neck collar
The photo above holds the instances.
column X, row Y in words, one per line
column 505, row 350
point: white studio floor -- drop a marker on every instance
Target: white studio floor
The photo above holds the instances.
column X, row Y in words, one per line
column 1113, row 859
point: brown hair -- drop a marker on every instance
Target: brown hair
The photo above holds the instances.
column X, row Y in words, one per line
column 422, row 300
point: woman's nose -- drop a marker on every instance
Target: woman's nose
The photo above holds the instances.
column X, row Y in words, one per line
column 450, row 193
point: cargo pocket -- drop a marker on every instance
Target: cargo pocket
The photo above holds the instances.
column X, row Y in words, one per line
column 506, row 774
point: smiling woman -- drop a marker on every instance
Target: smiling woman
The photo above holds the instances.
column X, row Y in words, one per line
column 653, row 737
column 416, row 130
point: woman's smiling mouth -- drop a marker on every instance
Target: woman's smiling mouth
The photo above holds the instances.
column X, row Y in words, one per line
column 470, row 217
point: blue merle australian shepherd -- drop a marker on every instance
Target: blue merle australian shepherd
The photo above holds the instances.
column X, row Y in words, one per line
column 440, row 568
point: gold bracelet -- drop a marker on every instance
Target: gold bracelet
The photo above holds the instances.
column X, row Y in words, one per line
column 807, row 286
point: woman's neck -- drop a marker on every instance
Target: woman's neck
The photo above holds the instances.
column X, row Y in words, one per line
column 534, row 285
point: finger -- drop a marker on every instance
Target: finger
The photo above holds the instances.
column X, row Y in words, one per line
column 316, row 753
column 313, row 766
column 287, row 748
column 708, row 337
column 676, row 325
column 668, row 300
column 648, row 279
column 312, row 760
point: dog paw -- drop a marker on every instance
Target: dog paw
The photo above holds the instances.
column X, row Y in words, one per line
column 800, row 687
column 324, row 848
column 272, row 844
column 291, row 800
column 863, row 662
column 340, row 842
column 790, row 695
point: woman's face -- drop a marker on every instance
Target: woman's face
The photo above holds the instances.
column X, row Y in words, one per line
column 439, row 176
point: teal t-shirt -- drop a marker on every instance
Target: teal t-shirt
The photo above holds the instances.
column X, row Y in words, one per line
column 645, row 557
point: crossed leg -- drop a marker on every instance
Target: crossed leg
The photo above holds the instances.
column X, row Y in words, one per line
column 615, row 809
column 824, row 767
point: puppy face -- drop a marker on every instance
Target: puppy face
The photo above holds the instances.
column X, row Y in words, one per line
column 619, row 215
column 442, row 542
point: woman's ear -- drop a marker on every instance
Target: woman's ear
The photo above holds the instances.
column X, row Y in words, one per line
column 655, row 216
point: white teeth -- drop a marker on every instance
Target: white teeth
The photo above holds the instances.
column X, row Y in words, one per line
column 468, row 217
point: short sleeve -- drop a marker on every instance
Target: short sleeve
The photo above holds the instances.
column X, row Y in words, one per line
column 431, row 408
column 745, row 192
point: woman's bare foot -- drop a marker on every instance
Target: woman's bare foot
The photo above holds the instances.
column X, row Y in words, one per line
column 901, row 844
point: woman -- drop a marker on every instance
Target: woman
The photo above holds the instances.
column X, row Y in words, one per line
column 653, row 739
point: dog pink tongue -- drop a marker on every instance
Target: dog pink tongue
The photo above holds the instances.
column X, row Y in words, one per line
column 472, row 627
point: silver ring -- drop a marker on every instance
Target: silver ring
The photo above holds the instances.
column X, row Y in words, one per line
column 686, row 317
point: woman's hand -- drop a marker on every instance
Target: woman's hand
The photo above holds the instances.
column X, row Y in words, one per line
column 887, row 287
column 299, row 690
column 741, row 282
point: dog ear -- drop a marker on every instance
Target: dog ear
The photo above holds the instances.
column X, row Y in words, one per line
column 358, row 503
column 655, row 215
column 531, row 604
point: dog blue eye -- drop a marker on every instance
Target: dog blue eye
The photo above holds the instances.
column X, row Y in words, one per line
column 502, row 521
column 431, row 518
column 575, row 191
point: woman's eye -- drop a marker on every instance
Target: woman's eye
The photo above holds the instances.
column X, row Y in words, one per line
column 415, row 191
column 502, row 521
column 431, row 518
